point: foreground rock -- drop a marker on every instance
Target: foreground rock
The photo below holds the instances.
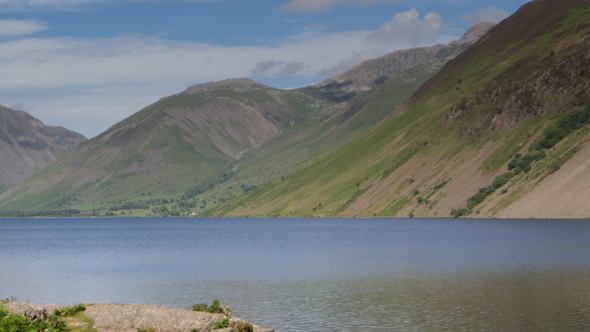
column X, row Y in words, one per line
column 133, row 317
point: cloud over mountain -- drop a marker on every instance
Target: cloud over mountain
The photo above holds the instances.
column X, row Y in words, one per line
column 318, row 6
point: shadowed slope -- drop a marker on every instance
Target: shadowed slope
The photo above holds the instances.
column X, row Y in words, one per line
column 27, row 145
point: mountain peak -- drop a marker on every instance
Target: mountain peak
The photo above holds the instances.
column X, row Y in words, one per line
column 236, row 84
column 473, row 34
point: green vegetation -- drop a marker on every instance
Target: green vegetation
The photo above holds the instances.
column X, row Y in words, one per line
column 563, row 127
column 129, row 206
column 200, row 307
column 243, row 327
column 485, row 192
column 214, row 308
column 11, row 322
column 221, row 324
column 33, row 214
column 557, row 163
column 460, row 212
column 524, row 164
column 70, row 311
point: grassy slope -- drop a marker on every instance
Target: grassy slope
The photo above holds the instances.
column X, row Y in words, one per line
column 414, row 151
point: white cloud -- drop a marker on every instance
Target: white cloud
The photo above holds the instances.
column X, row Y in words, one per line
column 97, row 82
column 318, row 6
column 26, row 5
column 407, row 27
column 20, row 5
column 21, row 27
column 492, row 14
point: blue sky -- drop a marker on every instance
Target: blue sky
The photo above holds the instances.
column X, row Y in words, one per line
column 87, row 64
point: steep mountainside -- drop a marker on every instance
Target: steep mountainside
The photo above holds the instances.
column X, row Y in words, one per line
column 501, row 130
column 27, row 145
column 211, row 143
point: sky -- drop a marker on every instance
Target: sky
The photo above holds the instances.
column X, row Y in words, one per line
column 88, row 64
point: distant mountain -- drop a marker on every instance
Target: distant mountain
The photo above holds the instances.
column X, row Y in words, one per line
column 210, row 143
column 373, row 73
column 27, row 145
column 500, row 131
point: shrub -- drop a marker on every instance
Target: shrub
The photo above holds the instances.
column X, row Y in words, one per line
column 502, row 180
column 523, row 164
column 200, row 307
column 486, row 191
column 215, row 307
column 243, row 327
column 565, row 125
column 440, row 185
column 459, row 212
column 70, row 311
column 195, row 330
column 146, row 330
column 420, row 200
column 221, row 324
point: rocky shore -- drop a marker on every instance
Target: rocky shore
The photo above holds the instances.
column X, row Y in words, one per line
column 132, row 318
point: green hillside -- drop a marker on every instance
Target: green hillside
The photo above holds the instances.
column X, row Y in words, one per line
column 458, row 134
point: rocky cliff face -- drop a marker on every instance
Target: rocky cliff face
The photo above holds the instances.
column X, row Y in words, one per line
column 27, row 145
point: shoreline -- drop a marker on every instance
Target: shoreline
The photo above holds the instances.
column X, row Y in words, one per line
column 114, row 317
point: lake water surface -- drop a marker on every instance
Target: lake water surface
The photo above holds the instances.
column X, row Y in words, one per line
column 314, row 274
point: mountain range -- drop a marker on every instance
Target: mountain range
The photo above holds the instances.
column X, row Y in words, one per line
column 216, row 141
column 493, row 125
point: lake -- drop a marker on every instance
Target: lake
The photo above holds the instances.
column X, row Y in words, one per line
column 314, row 274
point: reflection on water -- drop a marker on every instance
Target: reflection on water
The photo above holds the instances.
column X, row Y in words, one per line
column 314, row 275
column 483, row 300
